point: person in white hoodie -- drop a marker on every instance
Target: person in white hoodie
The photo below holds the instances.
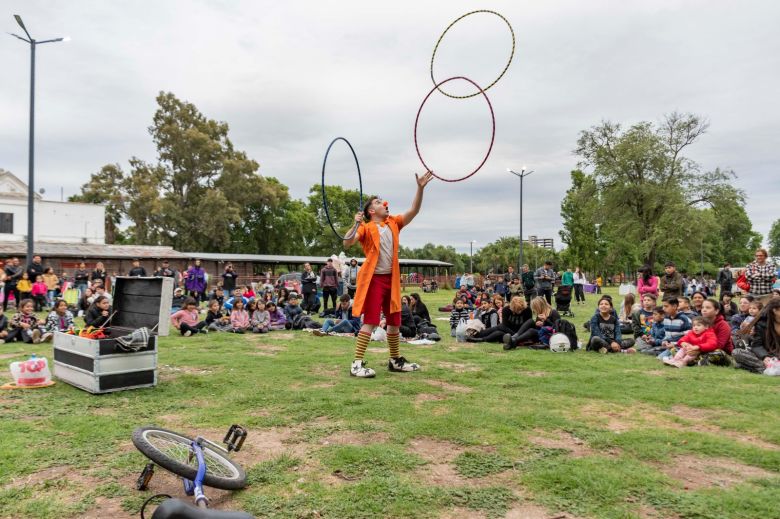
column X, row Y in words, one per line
column 579, row 286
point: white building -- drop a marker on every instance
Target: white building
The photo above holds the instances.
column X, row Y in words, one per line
column 67, row 222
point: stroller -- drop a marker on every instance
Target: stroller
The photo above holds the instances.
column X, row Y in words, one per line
column 563, row 300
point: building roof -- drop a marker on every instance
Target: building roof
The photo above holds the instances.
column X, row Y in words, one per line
column 90, row 250
column 96, row 251
column 282, row 259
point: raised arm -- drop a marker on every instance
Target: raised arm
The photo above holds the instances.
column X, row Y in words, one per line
column 351, row 236
column 418, row 197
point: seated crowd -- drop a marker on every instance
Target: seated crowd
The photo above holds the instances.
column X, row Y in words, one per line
column 676, row 320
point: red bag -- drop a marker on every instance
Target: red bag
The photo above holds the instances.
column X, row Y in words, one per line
column 742, row 283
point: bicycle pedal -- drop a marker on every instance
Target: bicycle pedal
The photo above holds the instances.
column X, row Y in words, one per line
column 234, row 439
column 142, row 483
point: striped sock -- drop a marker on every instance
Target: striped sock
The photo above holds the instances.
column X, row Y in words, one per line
column 361, row 344
column 392, row 343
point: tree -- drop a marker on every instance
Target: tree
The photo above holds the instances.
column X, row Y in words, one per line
column 105, row 187
column 342, row 206
column 774, row 239
column 647, row 186
column 579, row 210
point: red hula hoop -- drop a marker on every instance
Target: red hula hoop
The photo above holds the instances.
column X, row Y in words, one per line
column 492, row 136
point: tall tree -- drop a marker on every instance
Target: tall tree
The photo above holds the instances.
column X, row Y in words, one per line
column 647, row 185
column 106, row 187
column 774, row 239
column 579, row 211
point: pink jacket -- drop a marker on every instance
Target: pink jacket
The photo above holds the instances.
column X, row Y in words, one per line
column 39, row 289
column 239, row 319
column 650, row 287
column 183, row 316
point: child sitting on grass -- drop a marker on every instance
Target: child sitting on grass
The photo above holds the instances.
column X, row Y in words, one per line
column 187, row 320
column 261, row 319
column 278, row 320
column 25, row 325
column 684, row 307
column 753, row 312
column 676, row 325
column 216, row 320
column 701, row 339
column 292, row 309
column 605, row 334
column 650, row 343
column 459, row 313
column 487, row 314
column 59, row 319
column 239, row 318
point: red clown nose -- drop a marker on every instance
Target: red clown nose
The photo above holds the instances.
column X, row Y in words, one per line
column 384, row 203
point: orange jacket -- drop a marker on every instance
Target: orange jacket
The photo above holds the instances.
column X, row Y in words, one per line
column 368, row 236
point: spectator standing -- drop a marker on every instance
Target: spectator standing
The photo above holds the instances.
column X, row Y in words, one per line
column 760, row 274
column 579, row 286
column 229, row 278
column 567, row 279
column 672, row 282
column 509, row 275
column 137, row 270
column 308, row 288
column 528, row 284
column 647, row 283
column 99, row 275
column 81, row 278
column 329, row 281
column 35, row 268
column 350, row 277
column 165, row 271
column 725, row 280
column 52, row 286
column 13, row 273
column 195, row 281
column 545, row 277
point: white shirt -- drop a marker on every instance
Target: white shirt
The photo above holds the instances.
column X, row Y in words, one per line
column 385, row 263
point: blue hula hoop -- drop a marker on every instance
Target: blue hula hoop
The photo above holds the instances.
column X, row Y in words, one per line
column 324, row 196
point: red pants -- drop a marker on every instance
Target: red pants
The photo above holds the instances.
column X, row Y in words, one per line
column 378, row 299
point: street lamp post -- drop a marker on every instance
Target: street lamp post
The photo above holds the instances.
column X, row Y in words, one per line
column 471, row 256
column 521, row 176
column 31, row 158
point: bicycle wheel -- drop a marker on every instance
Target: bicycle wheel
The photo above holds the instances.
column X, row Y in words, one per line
column 171, row 451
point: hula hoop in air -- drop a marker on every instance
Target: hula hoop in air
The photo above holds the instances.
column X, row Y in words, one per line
column 324, row 196
column 511, row 55
column 417, row 120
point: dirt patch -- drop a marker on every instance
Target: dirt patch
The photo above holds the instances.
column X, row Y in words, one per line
column 4, row 356
column 533, row 373
column 267, row 444
column 268, row 349
column 279, row 336
column 458, row 367
column 421, row 398
column 105, row 507
column 532, row 511
column 376, row 350
column 355, row 438
column 695, row 472
column 447, row 386
column 331, row 371
column 168, row 372
column 561, row 440
column 104, row 411
column 41, row 476
column 462, row 513
column 658, row 372
column 439, row 469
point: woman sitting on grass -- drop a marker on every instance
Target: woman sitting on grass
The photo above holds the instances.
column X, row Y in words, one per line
column 765, row 340
column 529, row 332
column 239, row 318
column 187, row 320
column 605, row 336
column 712, row 311
column 697, row 300
column 98, row 313
column 419, row 310
column 514, row 315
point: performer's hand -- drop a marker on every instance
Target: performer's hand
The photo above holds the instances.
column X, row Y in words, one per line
column 358, row 217
column 423, row 180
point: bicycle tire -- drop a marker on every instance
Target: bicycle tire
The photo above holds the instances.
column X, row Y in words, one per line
column 221, row 472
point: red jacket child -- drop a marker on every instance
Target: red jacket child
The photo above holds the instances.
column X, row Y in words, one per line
column 706, row 341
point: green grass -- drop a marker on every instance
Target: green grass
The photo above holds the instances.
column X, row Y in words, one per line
column 592, row 435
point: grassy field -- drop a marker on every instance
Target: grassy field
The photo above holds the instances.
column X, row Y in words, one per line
column 478, row 433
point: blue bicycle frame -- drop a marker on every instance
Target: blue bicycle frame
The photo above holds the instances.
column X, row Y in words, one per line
column 195, row 488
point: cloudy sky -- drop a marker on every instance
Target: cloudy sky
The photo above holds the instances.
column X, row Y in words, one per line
column 290, row 76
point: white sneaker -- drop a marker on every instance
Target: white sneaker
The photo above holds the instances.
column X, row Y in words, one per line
column 47, row 336
column 187, row 333
column 360, row 370
column 402, row 365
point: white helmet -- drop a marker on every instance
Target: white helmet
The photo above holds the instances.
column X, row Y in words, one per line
column 559, row 343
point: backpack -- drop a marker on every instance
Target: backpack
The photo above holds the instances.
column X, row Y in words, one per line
column 569, row 330
column 302, row 321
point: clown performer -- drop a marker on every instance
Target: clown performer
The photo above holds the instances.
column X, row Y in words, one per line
column 379, row 280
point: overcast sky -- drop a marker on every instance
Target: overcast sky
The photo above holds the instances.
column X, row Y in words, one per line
column 288, row 77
